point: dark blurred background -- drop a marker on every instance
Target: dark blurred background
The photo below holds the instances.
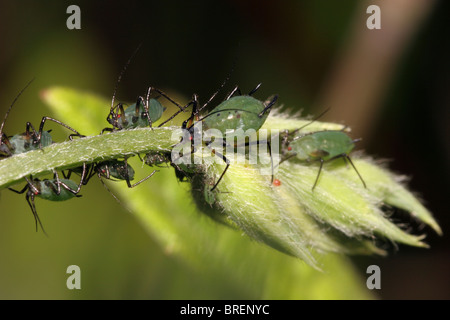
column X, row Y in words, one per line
column 390, row 85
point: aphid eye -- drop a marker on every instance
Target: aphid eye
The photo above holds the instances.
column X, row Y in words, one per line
column 289, row 148
column 36, row 193
column 276, row 183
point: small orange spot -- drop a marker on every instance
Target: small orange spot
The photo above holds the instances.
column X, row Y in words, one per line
column 276, row 183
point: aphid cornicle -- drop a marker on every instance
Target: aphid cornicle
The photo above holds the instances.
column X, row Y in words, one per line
column 322, row 146
column 236, row 114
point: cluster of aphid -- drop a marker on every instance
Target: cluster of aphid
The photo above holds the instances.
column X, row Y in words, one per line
column 237, row 111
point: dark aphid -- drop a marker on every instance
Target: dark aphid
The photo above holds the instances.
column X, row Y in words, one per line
column 6, row 150
column 157, row 158
column 115, row 170
column 141, row 114
column 322, row 146
column 50, row 189
column 236, row 114
column 30, row 139
column 118, row 170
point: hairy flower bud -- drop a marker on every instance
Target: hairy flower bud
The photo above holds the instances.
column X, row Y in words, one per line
column 339, row 215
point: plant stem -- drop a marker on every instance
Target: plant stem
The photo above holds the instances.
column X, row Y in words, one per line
column 71, row 154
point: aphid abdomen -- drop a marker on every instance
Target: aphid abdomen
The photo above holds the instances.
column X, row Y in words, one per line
column 240, row 112
column 116, row 169
column 46, row 139
column 48, row 189
column 20, row 143
column 155, row 110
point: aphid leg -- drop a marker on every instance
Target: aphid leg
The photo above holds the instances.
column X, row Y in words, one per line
column 66, row 175
column 35, row 214
column 268, row 106
column 21, row 191
column 288, row 157
column 82, row 178
column 90, row 173
column 271, row 159
column 106, row 129
column 76, row 135
column 182, row 108
column 32, row 191
column 41, row 129
column 147, row 111
column 237, row 90
column 140, row 181
column 44, row 119
column 59, row 183
column 346, row 157
column 318, row 175
column 127, row 179
column 226, row 168
column 33, row 133
column 194, row 103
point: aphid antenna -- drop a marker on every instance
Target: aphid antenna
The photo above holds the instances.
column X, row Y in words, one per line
column 35, row 214
column 107, row 189
column 12, row 104
column 312, row 121
column 217, row 91
column 123, row 72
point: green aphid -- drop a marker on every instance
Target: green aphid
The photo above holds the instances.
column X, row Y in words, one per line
column 139, row 115
column 30, row 139
column 50, row 189
column 322, row 146
column 235, row 115
column 116, row 170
